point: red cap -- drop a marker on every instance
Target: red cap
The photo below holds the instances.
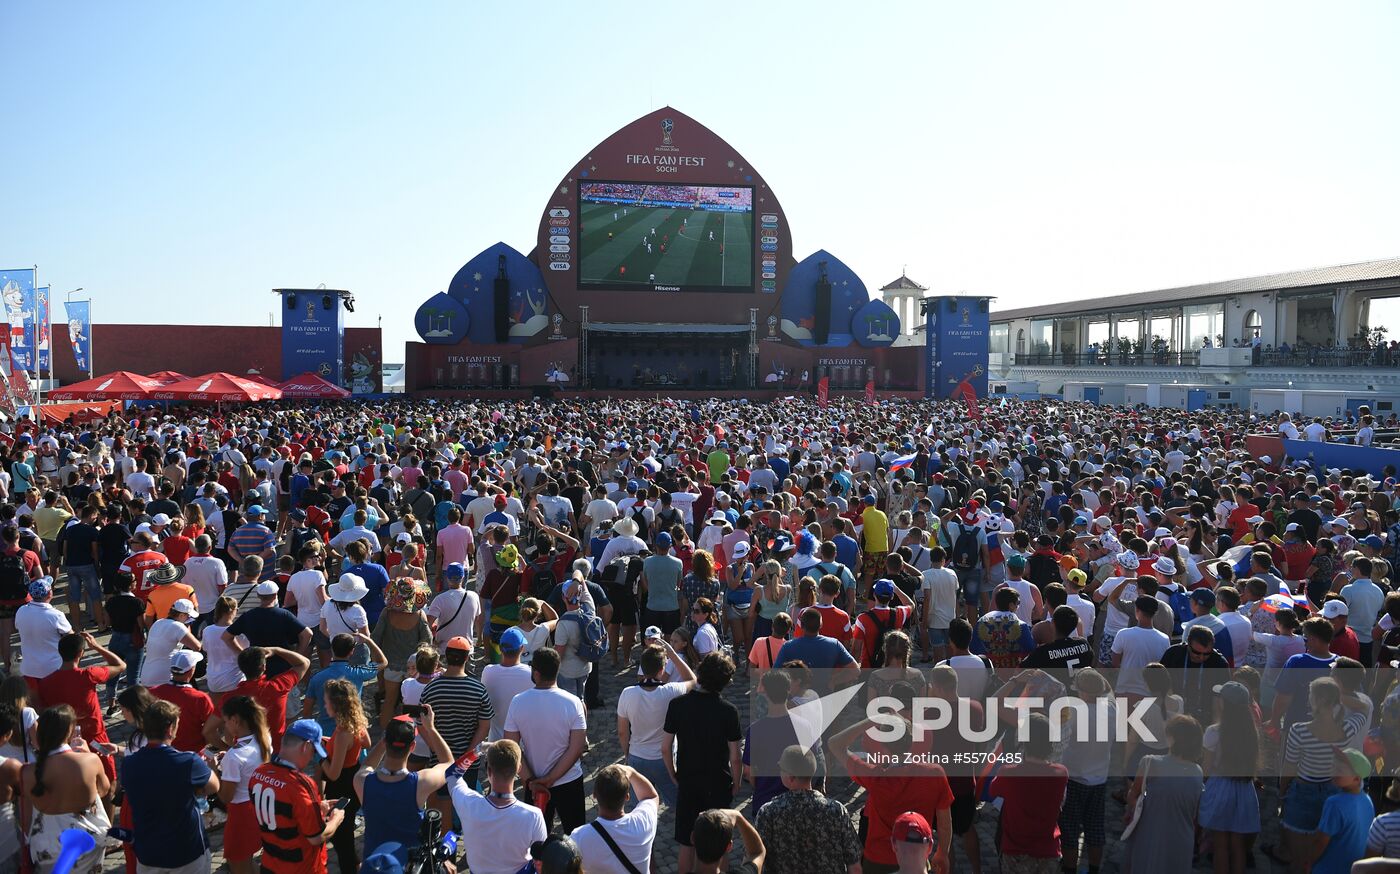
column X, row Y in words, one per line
column 460, row 643
column 500, row 500
column 911, row 828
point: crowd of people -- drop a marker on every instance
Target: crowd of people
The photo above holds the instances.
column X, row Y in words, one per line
column 322, row 629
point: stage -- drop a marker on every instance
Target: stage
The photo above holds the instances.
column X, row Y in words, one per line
column 663, row 265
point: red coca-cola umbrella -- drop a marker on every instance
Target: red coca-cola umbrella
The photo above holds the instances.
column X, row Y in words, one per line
column 216, row 387
column 312, row 387
column 121, row 385
column 166, row 377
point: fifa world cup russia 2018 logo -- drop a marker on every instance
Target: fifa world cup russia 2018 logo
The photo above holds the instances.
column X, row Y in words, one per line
column 558, row 321
column 311, row 311
column 772, row 326
column 666, row 126
column 967, row 316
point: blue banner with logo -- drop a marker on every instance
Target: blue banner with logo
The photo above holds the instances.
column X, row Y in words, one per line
column 17, row 291
column 313, row 334
column 44, row 328
column 963, row 345
column 79, row 314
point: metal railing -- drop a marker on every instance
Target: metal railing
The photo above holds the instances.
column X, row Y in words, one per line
column 1331, row 356
column 1106, row 359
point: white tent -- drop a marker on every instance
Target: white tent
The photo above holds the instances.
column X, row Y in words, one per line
column 394, row 384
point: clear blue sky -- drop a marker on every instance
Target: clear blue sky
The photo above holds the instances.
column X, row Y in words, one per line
column 178, row 160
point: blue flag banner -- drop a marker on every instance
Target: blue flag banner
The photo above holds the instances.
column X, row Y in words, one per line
column 44, row 328
column 17, row 292
column 80, row 332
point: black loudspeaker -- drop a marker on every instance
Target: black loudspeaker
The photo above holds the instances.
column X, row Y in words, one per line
column 543, row 392
column 982, row 306
column 291, row 301
column 821, row 324
column 502, row 301
column 327, row 301
column 952, row 305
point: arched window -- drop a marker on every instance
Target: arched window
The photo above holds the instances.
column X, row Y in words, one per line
column 1253, row 325
column 1021, row 341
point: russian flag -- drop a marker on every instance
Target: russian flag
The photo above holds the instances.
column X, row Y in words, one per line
column 902, row 461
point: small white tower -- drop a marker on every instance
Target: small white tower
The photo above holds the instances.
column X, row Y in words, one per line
column 903, row 296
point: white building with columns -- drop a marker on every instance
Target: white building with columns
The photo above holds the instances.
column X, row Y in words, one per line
column 1301, row 341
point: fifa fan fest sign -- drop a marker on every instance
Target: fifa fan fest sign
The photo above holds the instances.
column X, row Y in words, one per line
column 313, row 333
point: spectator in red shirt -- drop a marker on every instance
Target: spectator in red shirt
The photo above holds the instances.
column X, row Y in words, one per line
column 1032, row 793
column 872, row 625
column 836, row 623
column 270, row 692
column 1297, row 552
column 14, row 584
column 142, row 560
column 196, row 727
column 894, row 788
column 77, row 687
column 1344, row 642
column 177, row 547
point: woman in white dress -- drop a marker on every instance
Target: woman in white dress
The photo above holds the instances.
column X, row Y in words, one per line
column 221, row 671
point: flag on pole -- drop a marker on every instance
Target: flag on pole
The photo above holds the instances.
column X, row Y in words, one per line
column 17, row 292
column 80, row 332
column 969, row 394
column 43, row 330
column 870, row 392
column 902, row 461
column 823, row 392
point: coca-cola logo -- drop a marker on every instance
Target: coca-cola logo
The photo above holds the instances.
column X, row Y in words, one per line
column 163, row 396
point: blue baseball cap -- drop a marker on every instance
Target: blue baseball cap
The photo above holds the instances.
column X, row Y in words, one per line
column 663, row 540
column 309, row 730
column 1081, row 520
column 870, row 499
column 454, row 571
column 633, row 485
column 41, row 588
column 255, row 510
column 884, row 588
column 1373, row 541
column 512, row 640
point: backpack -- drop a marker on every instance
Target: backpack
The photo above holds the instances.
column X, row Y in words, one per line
column 14, row 581
column 669, row 518
column 877, row 658
column 1180, row 601
column 593, row 635
column 543, row 580
column 966, row 551
column 639, row 517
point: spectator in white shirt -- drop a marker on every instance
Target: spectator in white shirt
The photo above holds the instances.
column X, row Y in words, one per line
column 207, row 575
column 632, row 832
column 40, row 626
column 499, row 828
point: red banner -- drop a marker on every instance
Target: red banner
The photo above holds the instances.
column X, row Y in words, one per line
column 823, row 391
column 870, row 392
column 969, row 394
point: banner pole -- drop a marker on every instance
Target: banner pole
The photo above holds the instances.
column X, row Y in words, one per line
column 38, row 372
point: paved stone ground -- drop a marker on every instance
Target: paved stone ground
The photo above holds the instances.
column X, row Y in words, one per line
column 604, row 750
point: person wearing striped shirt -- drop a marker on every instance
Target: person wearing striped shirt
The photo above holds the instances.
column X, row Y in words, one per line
column 462, row 704
column 1309, row 761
